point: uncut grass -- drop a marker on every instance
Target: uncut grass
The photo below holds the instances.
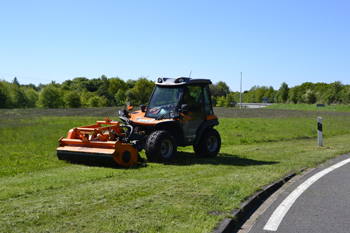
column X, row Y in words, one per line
column 312, row 107
column 235, row 131
column 40, row 193
column 28, row 144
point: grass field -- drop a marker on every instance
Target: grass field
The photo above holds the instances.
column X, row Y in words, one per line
column 39, row 193
column 311, row 107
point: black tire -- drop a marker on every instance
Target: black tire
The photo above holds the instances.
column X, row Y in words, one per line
column 160, row 147
column 209, row 144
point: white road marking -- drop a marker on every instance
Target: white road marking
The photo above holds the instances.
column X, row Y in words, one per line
column 277, row 216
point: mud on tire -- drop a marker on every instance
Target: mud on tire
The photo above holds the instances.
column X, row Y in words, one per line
column 209, row 144
column 160, row 147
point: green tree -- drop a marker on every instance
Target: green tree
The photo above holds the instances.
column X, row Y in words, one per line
column 225, row 101
column 143, row 89
column 214, row 101
column 72, row 99
column 85, row 96
column 50, row 97
column 283, row 92
column 94, row 84
column 15, row 82
column 344, row 95
column 268, row 93
column 93, row 101
column 66, row 85
column 116, row 84
column 220, row 101
column 275, row 96
column 120, row 97
column 18, row 97
column 129, row 96
column 31, row 96
column 130, row 83
column 294, row 94
column 332, row 94
column 215, row 90
column 4, row 95
column 103, row 102
column 260, row 93
column 224, row 88
column 40, row 87
column 30, row 85
column 79, row 84
column 309, row 97
column 251, row 94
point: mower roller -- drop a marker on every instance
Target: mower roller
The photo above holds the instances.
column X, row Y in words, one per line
column 179, row 113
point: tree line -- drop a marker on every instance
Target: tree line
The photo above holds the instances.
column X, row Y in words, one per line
column 79, row 92
column 307, row 93
column 106, row 92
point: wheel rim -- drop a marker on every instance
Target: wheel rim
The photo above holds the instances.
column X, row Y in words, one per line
column 166, row 149
column 212, row 143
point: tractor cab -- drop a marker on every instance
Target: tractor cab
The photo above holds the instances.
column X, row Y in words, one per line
column 184, row 100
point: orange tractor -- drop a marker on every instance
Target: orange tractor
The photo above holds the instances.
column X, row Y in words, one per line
column 179, row 113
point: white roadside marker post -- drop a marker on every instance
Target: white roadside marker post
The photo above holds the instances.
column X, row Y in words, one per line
column 319, row 131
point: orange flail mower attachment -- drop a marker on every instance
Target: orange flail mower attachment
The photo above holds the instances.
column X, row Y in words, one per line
column 97, row 142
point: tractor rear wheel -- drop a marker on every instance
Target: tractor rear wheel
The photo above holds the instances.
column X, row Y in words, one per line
column 209, row 144
column 161, row 147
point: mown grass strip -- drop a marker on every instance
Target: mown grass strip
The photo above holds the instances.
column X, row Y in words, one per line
column 154, row 198
column 40, row 193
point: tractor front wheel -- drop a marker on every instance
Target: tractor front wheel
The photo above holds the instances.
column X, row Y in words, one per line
column 209, row 144
column 160, row 147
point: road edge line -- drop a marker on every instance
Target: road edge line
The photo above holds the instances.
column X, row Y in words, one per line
column 229, row 224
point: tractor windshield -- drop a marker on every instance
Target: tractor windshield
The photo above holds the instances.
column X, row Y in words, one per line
column 164, row 100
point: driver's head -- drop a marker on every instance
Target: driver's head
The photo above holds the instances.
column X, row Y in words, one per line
column 187, row 93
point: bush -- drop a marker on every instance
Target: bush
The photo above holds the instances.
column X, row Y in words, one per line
column 72, row 99
column 32, row 97
column 50, row 97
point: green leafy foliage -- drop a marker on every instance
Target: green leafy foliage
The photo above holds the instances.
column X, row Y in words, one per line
column 50, row 97
column 72, row 99
column 107, row 92
column 143, row 89
column 4, row 95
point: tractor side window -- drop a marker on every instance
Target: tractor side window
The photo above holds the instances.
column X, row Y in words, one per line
column 207, row 101
column 194, row 98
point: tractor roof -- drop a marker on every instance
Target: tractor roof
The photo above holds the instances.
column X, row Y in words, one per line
column 180, row 81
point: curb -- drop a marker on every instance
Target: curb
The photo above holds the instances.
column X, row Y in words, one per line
column 238, row 215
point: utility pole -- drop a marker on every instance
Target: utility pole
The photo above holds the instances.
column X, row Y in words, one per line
column 240, row 95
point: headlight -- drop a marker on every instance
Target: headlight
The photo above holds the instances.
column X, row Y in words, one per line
column 121, row 112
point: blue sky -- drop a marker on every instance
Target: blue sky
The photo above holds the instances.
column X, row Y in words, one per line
column 270, row 41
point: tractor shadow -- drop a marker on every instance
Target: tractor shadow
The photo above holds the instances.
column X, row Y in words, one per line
column 186, row 159
column 104, row 162
column 182, row 159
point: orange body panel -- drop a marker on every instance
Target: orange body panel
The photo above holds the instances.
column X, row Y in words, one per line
column 211, row 117
column 138, row 117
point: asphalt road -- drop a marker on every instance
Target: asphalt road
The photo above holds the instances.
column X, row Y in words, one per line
column 254, row 105
column 318, row 201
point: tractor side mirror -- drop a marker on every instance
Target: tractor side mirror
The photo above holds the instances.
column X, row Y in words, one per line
column 184, row 109
column 143, row 107
column 129, row 106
